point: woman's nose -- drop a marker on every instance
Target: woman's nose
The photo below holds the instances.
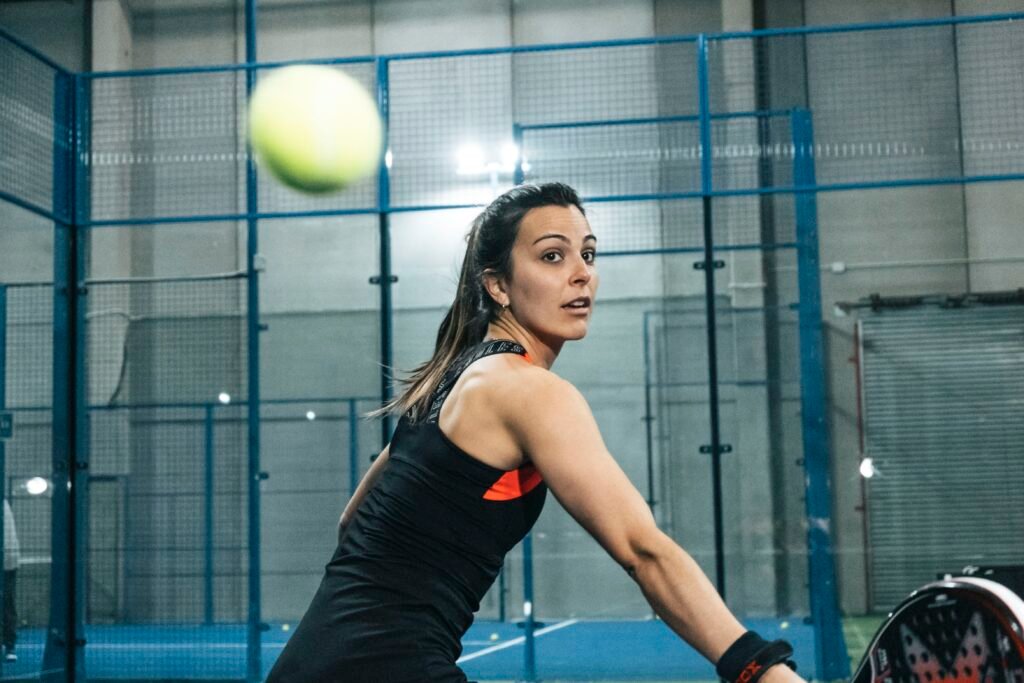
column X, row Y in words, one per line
column 581, row 274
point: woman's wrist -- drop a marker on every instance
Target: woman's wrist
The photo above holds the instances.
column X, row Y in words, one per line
column 750, row 657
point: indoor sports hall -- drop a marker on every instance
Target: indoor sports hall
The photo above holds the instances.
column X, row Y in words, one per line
column 807, row 352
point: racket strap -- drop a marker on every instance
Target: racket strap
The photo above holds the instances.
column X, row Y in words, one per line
column 750, row 656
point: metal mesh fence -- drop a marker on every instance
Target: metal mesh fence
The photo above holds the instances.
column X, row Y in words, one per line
column 175, row 145
column 168, row 463
column 273, row 197
column 605, row 83
column 315, row 451
column 894, row 104
column 167, row 358
column 759, row 413
column 450, row 122
column 990, row 61
column 166, row 343
column 26, row 126
column 27, row 479
column 167, row 146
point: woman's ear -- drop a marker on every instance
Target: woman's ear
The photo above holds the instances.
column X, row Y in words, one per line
column 495, row 286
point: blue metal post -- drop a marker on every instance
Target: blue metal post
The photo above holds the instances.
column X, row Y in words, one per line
column 529, row 624
column 63, row 654
column 648, row 415
column 208, row 495
column 502, row 592
column 3, row 404
column 353, row 447
column 529, row 649
column 831, row 659
column 386, row 278
column 80, row 144
column 706, row 170
column 254, row 627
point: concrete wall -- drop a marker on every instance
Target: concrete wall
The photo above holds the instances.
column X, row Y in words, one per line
column 320, row 308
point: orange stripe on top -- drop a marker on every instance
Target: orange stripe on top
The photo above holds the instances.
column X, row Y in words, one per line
column 514, row 484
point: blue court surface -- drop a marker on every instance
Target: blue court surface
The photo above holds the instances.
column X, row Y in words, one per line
column 565, row 650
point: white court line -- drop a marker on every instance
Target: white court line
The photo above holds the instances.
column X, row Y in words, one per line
column 516, row 641
column 861, row 643
column 34, row 676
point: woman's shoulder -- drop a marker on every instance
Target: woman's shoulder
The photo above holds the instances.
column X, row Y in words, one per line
column 509, row 382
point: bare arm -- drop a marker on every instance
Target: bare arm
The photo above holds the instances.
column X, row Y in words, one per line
column 369, row 479
column 554, row 425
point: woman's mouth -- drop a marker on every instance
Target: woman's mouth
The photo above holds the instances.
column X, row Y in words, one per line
column 578, row 306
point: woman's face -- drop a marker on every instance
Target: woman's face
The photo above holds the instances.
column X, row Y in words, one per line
column 553, row 282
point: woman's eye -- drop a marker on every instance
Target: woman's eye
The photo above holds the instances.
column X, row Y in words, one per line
column 548, row 257
column 589, row 256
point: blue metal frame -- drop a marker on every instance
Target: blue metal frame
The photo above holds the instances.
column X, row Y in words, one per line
column 387, row 355
column 29, row 206
column 830, row 647
column 530, row 623
column 55, row 654
column 353, row 446
column 689, row 118
column 63, row 655
column 704, row 95
column 208, row 526
column 70, row 214
column 225, row 68
column 556, row 47
column 648, row 417
column 80, row 141
column 25, row 47
column 654, row 196
column 3, row 405
column 870, row 26
column 255, row 625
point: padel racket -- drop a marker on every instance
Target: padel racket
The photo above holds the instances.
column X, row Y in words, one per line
column 961, row 630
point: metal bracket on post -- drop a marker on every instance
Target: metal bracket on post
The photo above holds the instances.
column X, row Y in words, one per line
column 376, row 279
column 702, row 265
column 707, row 449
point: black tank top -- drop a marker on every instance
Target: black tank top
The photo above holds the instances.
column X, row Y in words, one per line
column 423, row 548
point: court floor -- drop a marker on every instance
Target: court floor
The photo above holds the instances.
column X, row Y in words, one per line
column 569, row 650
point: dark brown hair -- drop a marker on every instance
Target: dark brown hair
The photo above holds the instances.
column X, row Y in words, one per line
column 488, row 250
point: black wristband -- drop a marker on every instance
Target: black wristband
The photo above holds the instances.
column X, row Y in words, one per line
column 749, row 657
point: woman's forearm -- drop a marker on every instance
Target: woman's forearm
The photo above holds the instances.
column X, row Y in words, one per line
column 687, row 601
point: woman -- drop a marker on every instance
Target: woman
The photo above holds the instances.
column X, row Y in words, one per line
column 486, row 429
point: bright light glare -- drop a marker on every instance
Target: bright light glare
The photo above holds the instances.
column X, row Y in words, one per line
column 224, row 397
column 388, row 158
column 310, row 415
column 509, row 156
column 470, row 159
column 37, row 486
column 867, row 468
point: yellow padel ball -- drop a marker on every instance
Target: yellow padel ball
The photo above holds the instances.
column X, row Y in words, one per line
column 315, row 128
